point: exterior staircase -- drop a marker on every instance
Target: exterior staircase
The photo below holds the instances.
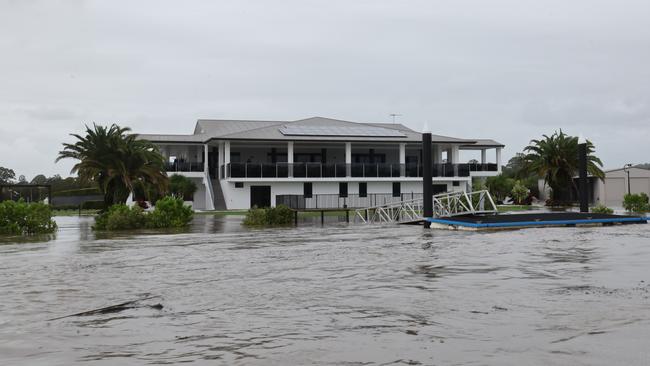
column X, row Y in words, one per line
column 219, row 200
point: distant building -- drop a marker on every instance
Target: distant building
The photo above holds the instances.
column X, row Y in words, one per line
column 238, row 164
column 611, row 190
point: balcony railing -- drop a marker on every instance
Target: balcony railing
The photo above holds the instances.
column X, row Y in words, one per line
column 184, row 166
column 333, row 201
column 341, row 170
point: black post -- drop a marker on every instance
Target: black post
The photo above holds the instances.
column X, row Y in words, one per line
column 295, row 217
column 582, row 167
column 427, row 183
column 629, row 190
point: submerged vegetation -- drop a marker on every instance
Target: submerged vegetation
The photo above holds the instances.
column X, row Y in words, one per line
column 169, row 212
column 280, row 215
column 602, row 209
column 20, row 218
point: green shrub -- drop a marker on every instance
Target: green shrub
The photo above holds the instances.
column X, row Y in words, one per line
column 636, row 202
column 519, row 192
column 602, row 209
column 270, row 216
column 170, row 212
column 121, row 217
column 21, row 218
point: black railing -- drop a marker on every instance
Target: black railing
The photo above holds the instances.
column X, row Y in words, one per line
column 184, row 166
column 340, row 170
column 334, row 201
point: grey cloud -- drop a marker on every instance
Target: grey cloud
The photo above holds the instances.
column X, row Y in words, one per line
column 509, row 70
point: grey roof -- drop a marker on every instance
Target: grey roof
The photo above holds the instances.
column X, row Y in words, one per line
column 199, row 138
column 485, row 143
column 208, row 129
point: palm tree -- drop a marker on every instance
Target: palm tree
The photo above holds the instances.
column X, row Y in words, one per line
column 117, row 161
column 555, row 158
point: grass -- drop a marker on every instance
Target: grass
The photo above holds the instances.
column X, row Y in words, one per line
column 508, row 208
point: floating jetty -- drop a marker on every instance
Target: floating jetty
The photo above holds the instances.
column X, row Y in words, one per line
column 529, row 220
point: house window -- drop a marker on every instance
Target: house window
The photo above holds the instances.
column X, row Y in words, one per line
column 397, row 189
column 239, row 184
column 363, row 189
column 343, row 189
column 307, row 190
column 456, row 183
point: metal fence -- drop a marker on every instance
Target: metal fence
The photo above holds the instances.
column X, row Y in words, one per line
column 334, row 201
column 340, row 170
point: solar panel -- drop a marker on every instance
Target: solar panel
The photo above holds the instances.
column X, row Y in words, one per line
column 362, row 131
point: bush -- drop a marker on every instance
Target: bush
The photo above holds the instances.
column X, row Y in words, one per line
column 602, row 209
column 636, row 202
column 120, row 217
column 169, row 212
column 271, row 216
column 21, row 218
column 519, row 192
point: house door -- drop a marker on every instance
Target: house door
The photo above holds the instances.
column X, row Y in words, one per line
column 261, row 196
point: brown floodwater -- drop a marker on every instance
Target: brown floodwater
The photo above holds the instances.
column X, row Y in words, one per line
column 332, row 295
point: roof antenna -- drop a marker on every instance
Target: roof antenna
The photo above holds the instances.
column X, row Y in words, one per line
column 394, row 115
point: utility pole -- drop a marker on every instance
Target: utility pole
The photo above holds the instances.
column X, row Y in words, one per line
column 626, row 168
column 582, row 170
column 394, row 115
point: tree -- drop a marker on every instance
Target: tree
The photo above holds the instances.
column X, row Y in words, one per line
column 7, row 175
column 39, row 179
column 555, row 158
column 500, row 186
column 116, row 161
column 181, row 186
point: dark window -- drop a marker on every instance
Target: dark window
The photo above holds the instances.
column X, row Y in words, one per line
column 439, row 188
column 343, row 189
column 397, row 189
column 307, row 190
column 456, row 183
column 239, row 184
column 363, row 189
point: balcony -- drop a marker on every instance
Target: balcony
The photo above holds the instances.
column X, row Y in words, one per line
column 342, row 170
column 184, row 166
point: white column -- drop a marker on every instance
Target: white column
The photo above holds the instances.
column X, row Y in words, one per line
column 226, row 156
column 220, row 159
column 499, row 160
column 455, row 154
column 437, row 154
column 205, row 158
column 348, row 158
column 402, row 160
column 290, row 157
column 483, row 156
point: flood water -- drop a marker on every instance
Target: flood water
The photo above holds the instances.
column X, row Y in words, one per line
column 333, row 295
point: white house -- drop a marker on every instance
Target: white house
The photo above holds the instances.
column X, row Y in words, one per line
column 316, row 162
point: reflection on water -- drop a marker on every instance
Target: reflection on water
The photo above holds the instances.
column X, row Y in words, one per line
column 337, row 294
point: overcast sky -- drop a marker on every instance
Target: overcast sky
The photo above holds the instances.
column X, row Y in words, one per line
column 508, row 70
